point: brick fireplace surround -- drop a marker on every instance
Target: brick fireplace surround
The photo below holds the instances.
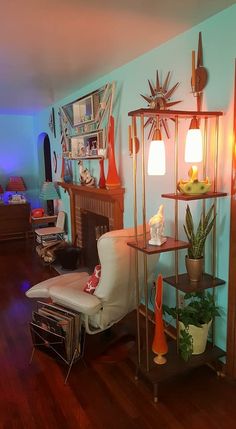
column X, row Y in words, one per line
column 105, row 202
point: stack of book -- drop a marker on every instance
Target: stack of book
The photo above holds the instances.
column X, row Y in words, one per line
column 57, row 328
column 47, row 239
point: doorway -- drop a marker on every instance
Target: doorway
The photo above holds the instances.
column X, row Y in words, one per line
column 45, row 164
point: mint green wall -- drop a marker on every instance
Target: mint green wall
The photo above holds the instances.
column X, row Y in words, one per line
column 219, row 45
column 18, row 152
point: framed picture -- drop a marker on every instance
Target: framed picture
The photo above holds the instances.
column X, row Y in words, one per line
column 89, row 144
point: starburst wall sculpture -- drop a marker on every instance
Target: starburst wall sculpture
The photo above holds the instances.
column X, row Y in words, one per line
column 160, row 100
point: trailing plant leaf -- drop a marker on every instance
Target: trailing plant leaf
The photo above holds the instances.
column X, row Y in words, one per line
column 185, row 345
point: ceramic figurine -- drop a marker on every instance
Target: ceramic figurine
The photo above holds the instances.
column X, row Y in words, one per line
column 157, row 228
column 85, row 176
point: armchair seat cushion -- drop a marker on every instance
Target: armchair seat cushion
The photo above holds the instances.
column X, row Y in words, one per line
column 43, row 289
column 67, row 290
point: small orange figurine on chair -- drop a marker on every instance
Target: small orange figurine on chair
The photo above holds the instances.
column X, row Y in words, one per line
column 159, row 345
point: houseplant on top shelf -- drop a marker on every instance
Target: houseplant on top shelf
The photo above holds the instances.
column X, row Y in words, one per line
column 195, row 319
column 194, row 260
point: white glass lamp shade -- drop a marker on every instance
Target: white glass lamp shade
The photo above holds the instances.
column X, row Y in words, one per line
column 157, row 158
column 193, row 145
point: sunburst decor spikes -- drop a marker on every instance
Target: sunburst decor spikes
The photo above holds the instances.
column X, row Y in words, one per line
column 160, row 99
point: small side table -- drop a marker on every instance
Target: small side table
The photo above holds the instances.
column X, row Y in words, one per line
column 44, row 220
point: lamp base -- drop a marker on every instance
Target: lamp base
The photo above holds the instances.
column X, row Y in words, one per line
column 50, row 208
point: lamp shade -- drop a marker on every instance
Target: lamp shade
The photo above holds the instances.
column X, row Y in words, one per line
column 157, row 156
column 16, row 184
column 48, row 191
column 193, row 146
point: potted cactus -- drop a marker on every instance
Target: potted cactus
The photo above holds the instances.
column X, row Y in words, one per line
column 194, row 260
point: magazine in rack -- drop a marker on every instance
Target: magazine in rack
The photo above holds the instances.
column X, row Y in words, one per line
column 57, row 329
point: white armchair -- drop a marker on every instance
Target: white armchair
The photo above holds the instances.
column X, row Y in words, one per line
column 114, row 297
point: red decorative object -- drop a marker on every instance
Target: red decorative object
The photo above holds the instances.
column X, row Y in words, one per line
column 93, row 280
column 113, row 180
column 159, row 345
column 102, row 180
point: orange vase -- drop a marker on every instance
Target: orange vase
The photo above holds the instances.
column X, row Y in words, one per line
column 159, row 345
column 102, row 180
column 113, row 180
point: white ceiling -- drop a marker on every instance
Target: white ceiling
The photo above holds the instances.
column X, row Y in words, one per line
column 49, row 48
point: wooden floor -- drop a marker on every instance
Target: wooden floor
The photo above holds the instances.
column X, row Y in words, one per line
column 102, row 395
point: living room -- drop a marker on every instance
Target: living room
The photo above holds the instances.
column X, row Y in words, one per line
column 117, row 398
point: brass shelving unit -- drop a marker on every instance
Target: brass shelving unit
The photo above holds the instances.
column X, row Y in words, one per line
column 144, row 359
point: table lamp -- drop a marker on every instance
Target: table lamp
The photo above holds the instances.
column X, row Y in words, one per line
column 49, row 193
column 16, row 184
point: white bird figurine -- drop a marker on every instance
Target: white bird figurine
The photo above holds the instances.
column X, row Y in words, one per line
column 157, row 228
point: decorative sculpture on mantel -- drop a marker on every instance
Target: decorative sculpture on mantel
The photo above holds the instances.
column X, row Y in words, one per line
column 85, row 176
column 113, row 179
column 157, row 228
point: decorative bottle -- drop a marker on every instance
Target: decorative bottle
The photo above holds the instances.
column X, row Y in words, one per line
column 102, row 180
column 159, row 345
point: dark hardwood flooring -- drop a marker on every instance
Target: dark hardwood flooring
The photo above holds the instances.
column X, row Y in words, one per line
column 101, row 395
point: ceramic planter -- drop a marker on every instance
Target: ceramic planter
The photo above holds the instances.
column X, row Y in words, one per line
column 194, row 268
column 199, row 336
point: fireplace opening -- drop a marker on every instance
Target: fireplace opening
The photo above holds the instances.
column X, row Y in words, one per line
column 93, row 226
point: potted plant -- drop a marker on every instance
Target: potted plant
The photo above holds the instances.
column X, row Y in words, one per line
column 195, row 319
column 194, row 260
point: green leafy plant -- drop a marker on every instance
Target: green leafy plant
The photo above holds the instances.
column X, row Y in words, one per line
column 199, row 308
column 197, row 239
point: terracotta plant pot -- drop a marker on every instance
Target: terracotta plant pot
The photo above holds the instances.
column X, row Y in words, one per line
column 199, row 336
column 194, row 268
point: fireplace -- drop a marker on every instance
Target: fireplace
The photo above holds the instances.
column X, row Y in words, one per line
column 93, row 225
column 106, row 204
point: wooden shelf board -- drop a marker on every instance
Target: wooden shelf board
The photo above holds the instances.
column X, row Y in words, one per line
column 186, row 197
column 77, row 158
column 175, row 364
column 170, row 245
column 173, row 113
column 92, row 190
column 185, row 285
